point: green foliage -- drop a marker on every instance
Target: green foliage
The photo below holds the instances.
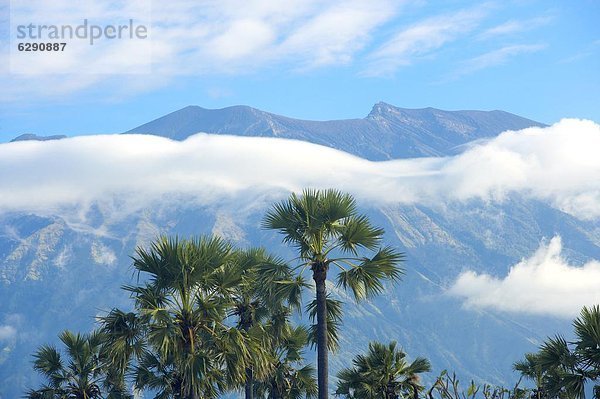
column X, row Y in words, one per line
column 334, row 321
column 209, row 319
column 195, row 286
column 562, row 369
column 326, row 229
column 206, row 319
column 78, row 372
column 447, row 386
column 288, row 378
column 261, row 286
column 382, row 373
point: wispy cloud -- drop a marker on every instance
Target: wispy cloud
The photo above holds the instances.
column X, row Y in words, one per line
column 546, row 283
column 557, row 164
column 337, row 33
column 514, row 26
column 195, row 38
column 422, row 39
column 500, row 56
column 207, row 38
column 496, row 57
column 589, row 50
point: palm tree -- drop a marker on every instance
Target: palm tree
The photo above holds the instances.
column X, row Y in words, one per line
column 79, row 376
column 587, row 345
column 383, row 373
column 562, row 376
column 183, row 315
column 531, row 369
column 123, row 342
column 326, row 229
column 288, row 379
column 177, row 342
column 262, row 286
column 568, row 366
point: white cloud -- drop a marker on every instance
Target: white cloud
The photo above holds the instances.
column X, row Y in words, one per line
column 243, row 38
column 337, row 33
column 189, row 38
column 7, row 333
column 422, row 39
column 545, row 283
column 557, row 164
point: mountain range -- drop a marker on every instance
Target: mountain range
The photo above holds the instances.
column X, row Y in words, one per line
column 57, row 274
column 387, row 132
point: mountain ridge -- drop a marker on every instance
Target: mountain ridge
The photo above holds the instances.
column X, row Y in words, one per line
column 387, row 132
column 35, row 137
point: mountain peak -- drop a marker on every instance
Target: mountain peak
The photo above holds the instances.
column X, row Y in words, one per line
column 382, row 108
column 35, row 137
column 379, row 108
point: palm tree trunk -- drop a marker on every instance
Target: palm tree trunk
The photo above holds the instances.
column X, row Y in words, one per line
column 415, row 389
column 320, row 275
column 390, row 392
column 249, row 384
column 275, row 394
column 247, row 321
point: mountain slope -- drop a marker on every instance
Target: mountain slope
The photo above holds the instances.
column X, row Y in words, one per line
column 55, row 274
column 388, row 132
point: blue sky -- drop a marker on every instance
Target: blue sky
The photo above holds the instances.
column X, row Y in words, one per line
column 317, row 59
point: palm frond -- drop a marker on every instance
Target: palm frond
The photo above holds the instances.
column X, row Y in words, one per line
column 334, row 309
column 367, row 279
column 418, row 366
column 587, row 329
column 334, row 318
column 47, row 361
column 555, row 353
column 357, row 231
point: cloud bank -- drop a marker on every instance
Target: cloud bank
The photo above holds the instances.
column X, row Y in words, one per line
column 545, row 283
column 557, row 164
